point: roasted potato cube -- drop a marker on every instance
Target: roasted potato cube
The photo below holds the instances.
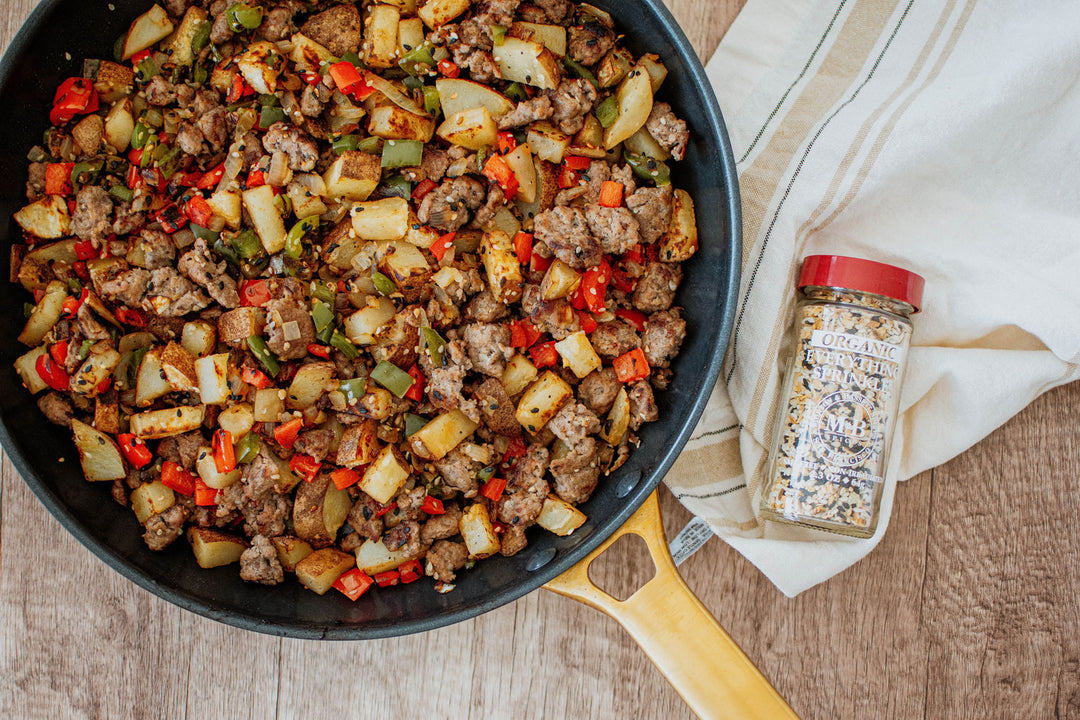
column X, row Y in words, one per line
column 179, row 45
column 680, row 241
column 559, row 516
column 306, row 197
column 269, row 404
column 386, row 219
column 320, row 510
column 359, row 444
column 119, row 125
column 548, row 142
column 155, row 424
column 518, row 374
column 385, row 475
column 212, row 372
column 179, row 367
column 237, row 419
column 259, row 203
column 150, row 382
column 477, row 532
column 198, row 338
column 643, row 143
column 410, row 33
column 26, row 366
column 114, row 81
column 260, row 66
column 559, row 281
column 98, row 454
column 363, row 325
column 309, row 384
column 150, row 499
column 635, row 100
column 439, row 12
column 227, row 206
column 441, row 435
column 46, row 218
column 318, row 571
column 237, row 325
column 407, row 267
column 353, row 175
column 577, row 354
column 290, row 551
column 589, row 142
column 377, row 403
column 381, row 35
column 553, row 37
column 422, row 236
column 96, row 369
column 458, row 95
column 45, row 314
column 618, row 420
column 309, row 55
column 394, row 123
column 542, row 401
column 527, row 62
column 472, row 129
column 88, row 134
column 373, row 557
column 150, row 27
column 614, row 67
column 502, row 266
column 521, row 163
column 107, row 413
column 213, row 548
column 650, row 62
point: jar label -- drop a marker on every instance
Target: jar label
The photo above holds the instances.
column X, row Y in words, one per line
column 857, row 344
column 846, row 428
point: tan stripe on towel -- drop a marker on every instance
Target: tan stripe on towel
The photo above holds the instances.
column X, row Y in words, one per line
column 707, row 465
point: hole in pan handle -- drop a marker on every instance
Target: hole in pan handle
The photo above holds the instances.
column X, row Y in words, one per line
column 684, row 641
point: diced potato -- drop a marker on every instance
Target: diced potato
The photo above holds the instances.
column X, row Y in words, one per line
column 96, row 369
column 589, row 142
column 680, row 241
column 410, row 33
column 320, row 510
column 657, row 72
column 212, row 372
column 307, row 201
column 45, row 315
column 319, row 570
column 521, row 163
column 61, row 252
column 88, row 134
column 308, row 55
column 309, row 384
column 527, row 62
column 553, row 37
column 643, row 143
column 363, row 325
column 154, row 424
column 221, row 78
column 46, row 218
column 227, row 206
column 237, row 419
column 472, row 129
column 542, row 401
column 269, row 404
column 359, row 444
column 477, row 532
column 559, row 281
column 26, row 366
column 107, row 413
column 150, row 27
column 385, row 475
column 635, row 100
column 353, row 175
column 179, row 45
column 198, row 337
column 341, row 246
column 213, row 548
column 207, row 470
column 98, row 454
column 458, row 95
column 119, row 124
column 377, row 403
column 577, row 353
column 441, row 435
column 179, row 367
column 518, row 374
column 614, row 67
column 150, row 499
column 259, row 203
column 407, row 267
column 237, row 325
column 114, row 81
column 548, row 142
column 373, row 557
column 134, row 341
column 439, row 12
column 559, row 516
column 260, row 66
column 381, row 35
column 386, row 219
column 502, row 266
column 422, row 236
column 150, row 382
column 618, row 420
column 290, row 551
column 394, row 123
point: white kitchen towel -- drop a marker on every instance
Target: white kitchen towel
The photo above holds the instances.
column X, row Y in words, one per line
column 938, row 136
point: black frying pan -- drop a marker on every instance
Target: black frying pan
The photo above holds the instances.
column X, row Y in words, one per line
column 49, row 48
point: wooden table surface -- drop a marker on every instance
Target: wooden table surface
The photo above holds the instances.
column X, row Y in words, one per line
column 967, row 609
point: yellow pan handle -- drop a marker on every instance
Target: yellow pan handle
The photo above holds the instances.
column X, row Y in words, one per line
column 683, row 640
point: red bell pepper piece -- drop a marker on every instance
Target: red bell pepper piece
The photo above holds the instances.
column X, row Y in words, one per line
column 239, row 89
column 587, row 321
column 58, row 178
column 409, row 571
column 256, row 178
column 523, row 242
column 305, row 466
column 255, row 293
column 103, row 386
column 611, row 193
column 544, row 355
column 224, row 455
column 318, row 350
column 344, row 477
column 353, row 583
column 567, row 178
column 493, row 489
column 540, row 264
column 59, row 351
column 285, row 433
column 416, row 390
column 130, row 316
column 187, row 179
column 135, row 156
column 85, row 250
column 448, row 69
column 497, row 170
column 211, row 178
column 387, row 578
column 139, row 57
column 515, row 448
column 199, row 211
column 79, row 266
column 204, row 494
column 631, row 366
column 634, row 317
column 52, row 373
column 346, row 76
column 135, row 450
column 75, row 96
column 176, row 477
column 506, row 142
column 253, row 376
column 523, row 334
column 432, row 506
column 577, row 162
column 385, row 509
column 311, row 78
column 423, row 188
column 593, row 287
column 71, row 305
column 134, row 177
column 622, row 280
column 444, row 243
column 171, row 218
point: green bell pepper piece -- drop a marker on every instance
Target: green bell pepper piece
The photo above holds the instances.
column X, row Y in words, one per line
column 341, row 343
column 383, row 284
column 243, row 17
column 402, row 153
column 246, row 448
column 647, row 168
column 262, row 353
column 392, row 378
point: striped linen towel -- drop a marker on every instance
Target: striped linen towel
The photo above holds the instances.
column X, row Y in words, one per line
column 937, row 136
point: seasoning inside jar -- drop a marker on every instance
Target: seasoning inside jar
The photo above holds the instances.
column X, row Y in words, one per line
column 833, row 432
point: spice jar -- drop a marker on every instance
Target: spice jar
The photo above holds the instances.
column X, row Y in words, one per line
column 841, row 390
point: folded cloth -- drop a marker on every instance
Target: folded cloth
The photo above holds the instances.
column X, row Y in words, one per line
column 937, row 136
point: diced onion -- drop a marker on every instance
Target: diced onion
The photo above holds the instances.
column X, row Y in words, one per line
column 279, row 169
column 291, row 331
column 394, row 95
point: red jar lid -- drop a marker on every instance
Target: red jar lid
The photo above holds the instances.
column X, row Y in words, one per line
column 839, row 271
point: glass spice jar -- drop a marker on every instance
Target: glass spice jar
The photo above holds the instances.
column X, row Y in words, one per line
column 833, row 430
